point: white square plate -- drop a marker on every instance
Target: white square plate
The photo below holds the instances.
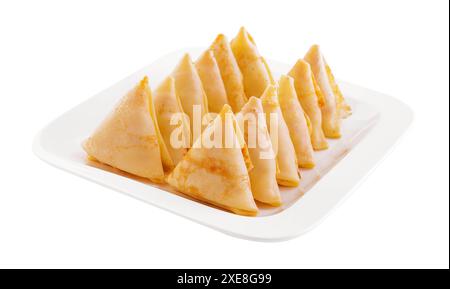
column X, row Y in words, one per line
column 376, row 124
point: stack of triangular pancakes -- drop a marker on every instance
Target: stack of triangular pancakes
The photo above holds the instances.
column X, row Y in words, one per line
column 221, row 129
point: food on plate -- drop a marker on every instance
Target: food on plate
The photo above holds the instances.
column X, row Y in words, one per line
column 209, row 73
column 255, row 71
column 311, row 99
column 222, row 130
column 263, row 179
column 229, row 70
column 173, row 124
column 189, row 89
column 217, row 175
column 344, row 109
column 129, row 138
column 296, row 121
column 281, row 142
column 334, row 106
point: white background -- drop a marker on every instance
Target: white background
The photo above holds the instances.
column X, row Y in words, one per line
column 55, row 54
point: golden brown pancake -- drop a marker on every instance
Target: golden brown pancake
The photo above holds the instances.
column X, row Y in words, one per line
column 129, row 139
column 217, row 174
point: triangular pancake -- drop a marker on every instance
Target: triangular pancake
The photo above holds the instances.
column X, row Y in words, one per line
column 296, row 122
column 281, row 142
column 171, row 120
column 334, row 107
column 229, row 70
column 129, row 139
column 190, row 91
column 255, row 70
column 209, row 73
column 215, row 174
column 263, row 180
column 344, row 109
column 311, row 99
